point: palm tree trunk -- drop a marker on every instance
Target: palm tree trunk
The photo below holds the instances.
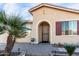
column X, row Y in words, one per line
column 12, row 45
column 8, row 45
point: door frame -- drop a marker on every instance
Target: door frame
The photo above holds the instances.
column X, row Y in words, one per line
column 41, row 40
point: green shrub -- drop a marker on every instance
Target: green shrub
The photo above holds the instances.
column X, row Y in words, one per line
column 32, row 39
column 70, row 49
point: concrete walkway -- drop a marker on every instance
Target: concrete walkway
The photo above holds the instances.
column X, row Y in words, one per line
column 35, row 49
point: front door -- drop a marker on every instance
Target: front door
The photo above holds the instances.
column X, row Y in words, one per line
column 44, row 32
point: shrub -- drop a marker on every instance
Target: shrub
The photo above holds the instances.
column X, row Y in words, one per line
column 32, row 39
column 70, row 49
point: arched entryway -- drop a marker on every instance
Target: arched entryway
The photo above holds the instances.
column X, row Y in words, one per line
column 43, row 32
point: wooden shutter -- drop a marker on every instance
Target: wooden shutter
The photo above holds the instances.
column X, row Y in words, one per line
column 58, row 28
column 77, row 27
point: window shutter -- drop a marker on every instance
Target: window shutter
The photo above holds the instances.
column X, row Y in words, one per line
column 77, row 27
column 58, row 28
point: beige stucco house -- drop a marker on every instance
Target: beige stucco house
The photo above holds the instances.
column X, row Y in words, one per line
column 53, row 24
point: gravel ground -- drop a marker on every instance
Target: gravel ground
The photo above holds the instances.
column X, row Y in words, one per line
column 37, row 49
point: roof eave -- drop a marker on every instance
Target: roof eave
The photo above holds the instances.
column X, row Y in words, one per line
column 53, row 6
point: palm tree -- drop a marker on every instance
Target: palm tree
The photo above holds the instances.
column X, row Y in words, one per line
column 15, row 27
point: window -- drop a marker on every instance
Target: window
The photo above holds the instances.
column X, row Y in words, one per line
column 72, row 27
column 67, row 28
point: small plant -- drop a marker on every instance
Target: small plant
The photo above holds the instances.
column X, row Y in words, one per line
column 55, row 45
column 70, row 49
column 60, row 45
column 32, row 39
column 18, row 49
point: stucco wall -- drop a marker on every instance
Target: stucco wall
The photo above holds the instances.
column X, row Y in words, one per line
column 52, row 15
column 3, row 38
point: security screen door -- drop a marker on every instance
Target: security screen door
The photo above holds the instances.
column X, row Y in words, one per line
column 44, row 32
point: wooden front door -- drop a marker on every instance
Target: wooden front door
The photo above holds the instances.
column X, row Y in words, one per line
column 44, row 32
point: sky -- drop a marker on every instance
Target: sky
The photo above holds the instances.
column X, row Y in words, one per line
column 22, row 8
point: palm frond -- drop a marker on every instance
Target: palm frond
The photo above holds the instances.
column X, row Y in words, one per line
column 1, row 30
column 3, row 18
column 17, row 26
column 3, row 22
